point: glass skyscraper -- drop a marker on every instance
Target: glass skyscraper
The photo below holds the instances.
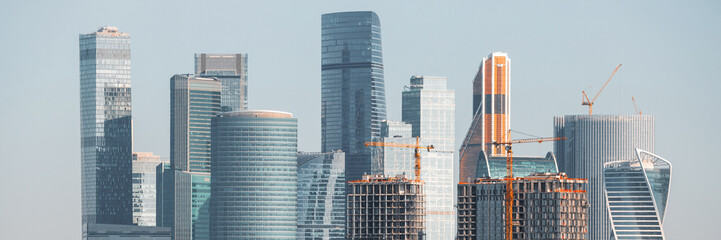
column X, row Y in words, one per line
column 592, row 141
column 144, row 188
column 321, row 195
column 106, row 127
column 637, row 195
column 254, row 171
column 232, row 71
column 353, row 101
column 391, row 161
column 183, row 204
column 430, row 108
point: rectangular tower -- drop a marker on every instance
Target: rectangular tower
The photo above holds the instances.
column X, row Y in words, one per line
column 593, row 140
column 106, row 127
column 232, row 71
column 546, row 206
column 145, row 165
column 353, row 101
column 491, row 112
column 382, row 207
column 430, row 108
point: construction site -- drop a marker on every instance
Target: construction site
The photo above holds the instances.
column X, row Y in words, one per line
column 545, row 206
column 381, row 207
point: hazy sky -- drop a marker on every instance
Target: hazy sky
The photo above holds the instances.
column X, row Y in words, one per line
column 669, row 53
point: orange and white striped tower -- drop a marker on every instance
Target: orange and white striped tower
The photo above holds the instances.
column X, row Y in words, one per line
column 491, row 113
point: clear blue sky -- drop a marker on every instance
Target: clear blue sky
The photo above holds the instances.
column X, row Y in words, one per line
column 669, row 50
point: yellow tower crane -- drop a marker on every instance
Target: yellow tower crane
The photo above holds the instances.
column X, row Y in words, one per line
column 416, row 146
column 509, row 175
column 589, row 103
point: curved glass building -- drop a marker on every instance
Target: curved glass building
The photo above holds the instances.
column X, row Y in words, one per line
column 592, row 141
column 637, row 192
column 353, row 98
column 254, row 175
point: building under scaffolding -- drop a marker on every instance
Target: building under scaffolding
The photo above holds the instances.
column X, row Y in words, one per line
column 546, row 206
column 382, row 207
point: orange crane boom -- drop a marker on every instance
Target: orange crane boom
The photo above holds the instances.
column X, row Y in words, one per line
column 509, row 175
column 589, row 103
column 638, row 110
column 416, row 146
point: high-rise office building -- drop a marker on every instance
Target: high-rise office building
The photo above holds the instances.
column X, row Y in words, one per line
column 254, row 185
column 232, row 71
column 144, row 191
column 491, row 112
column 193, row 102
column 546, row 206
column 495, row 166
column 430, row 108
column 321, row 195
column 106, row 127
column 593, row 140
column 186, row 184
column 381, row 207
column 637, row 195
column 353, row 101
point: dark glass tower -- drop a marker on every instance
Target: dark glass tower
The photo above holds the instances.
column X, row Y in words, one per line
column 232, row 71
column 106, row 127
column 353, row 101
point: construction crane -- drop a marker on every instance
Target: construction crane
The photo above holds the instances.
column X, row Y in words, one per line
column 509, row 175
column 416, row 146
column 589, row 103
column 638, row 110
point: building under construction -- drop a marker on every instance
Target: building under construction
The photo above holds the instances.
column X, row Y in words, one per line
column 382, row 207
column 546, row 206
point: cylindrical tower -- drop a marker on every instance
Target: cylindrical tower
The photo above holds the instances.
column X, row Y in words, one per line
column 593, row 140
column 254, row 175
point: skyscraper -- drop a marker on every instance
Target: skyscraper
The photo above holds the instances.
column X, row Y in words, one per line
column 391, row 161
column 106, row 127
column 593, row 140
column 495, row 166
column 491, row 112
column 430, row 108
column 193, row 102
column 637, row 195
column 186, row 184
column 254, row 185
column 321, row 195
column 353, row 101
column 144, row 188
column 232, row 71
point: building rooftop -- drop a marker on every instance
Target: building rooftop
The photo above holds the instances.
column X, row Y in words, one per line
column 257, row 113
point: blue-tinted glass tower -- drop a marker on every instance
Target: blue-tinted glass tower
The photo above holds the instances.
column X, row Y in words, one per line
column 321, row 195
column 106, row 127
column 254, row 175
column 495, row 166
column 232, row 71
column 353, row 101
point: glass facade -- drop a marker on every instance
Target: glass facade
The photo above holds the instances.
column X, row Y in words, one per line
column 495, row 166
column 232, row 71
column 94, row 231
column 391, row 161
column 593, row 140
column 144, row 188
column 321, row 195
column 183, row 203
column 254, row 172
column 637, row 192
column 193, row 102
column 106, row 127
column 353, row 101
column 430, row 108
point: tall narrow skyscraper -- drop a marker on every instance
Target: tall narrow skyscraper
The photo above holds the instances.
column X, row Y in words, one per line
column 106, row 127
column 491, row 112
column 145, row 165
column 353, row 101
column 232, row 71
column 592, row 141
column 430, row 108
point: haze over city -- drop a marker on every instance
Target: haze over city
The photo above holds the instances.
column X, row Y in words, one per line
column 669, row 52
